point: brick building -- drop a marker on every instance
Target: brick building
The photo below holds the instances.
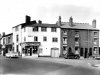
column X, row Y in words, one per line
column 79, row 38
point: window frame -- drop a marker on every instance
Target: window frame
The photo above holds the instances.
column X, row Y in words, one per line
column 53, row 29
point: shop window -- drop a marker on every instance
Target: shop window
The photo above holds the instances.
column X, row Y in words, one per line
column 35, row 38
column 44, row 29
column 54, row 39
column 53, row 29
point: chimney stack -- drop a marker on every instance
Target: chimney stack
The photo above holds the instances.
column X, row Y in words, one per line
column 59, row 21
column 28, row 19
column 39, row 21
column 71, row 21
column 94, row 23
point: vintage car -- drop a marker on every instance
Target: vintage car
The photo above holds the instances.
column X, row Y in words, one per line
column 71, row 56
column 12, row 55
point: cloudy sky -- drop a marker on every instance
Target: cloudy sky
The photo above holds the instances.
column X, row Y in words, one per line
column 12, row 12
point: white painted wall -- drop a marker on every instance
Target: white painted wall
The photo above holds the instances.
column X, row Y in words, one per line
column 14, row 38
column 46, row 46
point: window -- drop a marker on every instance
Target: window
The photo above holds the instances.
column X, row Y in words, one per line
column 16, row 28
column 64, row 32
column 9, row 39
column 17, row 38
column 3, row 40
column 24, row 29
column 95, row 40
column 43, row 29
column 54, row 39
column 44, row 38
column 53, row 29
column 95, row 33
column 40, row 50
column 35, row 29
column 24, row 39
column 35, row 38
column 76, row 39
column 17, row 48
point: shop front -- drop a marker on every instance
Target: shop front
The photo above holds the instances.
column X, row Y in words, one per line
column 30, row 48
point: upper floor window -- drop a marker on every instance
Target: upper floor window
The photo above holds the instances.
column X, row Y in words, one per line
column 24, row 38
column 16, row 28
column 9, row 38
column 35, row 38
column 95, row 33
column 43, row 28
column 76, row 39
column 3, row 40
column 17, row 38
column 54, row 39
column 24, row 29
column 53, row 29
column 44, row 38
column 64, row 32
column 35, row 28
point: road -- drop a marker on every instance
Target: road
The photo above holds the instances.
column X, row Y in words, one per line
column 39, row 67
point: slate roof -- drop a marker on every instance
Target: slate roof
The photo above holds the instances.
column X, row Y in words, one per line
column 78, row 26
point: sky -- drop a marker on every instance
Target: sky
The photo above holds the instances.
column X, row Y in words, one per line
column 13, row 12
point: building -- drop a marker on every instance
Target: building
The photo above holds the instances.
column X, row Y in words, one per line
column 79, row 38
column 7, row 43
column 37, row 39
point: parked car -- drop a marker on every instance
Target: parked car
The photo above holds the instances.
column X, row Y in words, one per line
column 71, row 56
column 97, row 57
column 12, row 55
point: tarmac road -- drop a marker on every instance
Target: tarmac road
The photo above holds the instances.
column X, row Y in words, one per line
column 38, row 67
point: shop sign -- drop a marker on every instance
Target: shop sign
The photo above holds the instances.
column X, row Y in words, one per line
column 34, row 44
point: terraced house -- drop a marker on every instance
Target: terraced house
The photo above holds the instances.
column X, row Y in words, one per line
column 79, row 38
column 55, row 40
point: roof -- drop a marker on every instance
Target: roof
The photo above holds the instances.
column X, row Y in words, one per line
column 44, row 25
column 33, row 23
column 78, row 26
column 8, row 35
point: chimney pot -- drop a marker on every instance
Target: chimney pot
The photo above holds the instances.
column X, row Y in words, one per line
column 39, row 21
column 71, row 21
column 94, row 23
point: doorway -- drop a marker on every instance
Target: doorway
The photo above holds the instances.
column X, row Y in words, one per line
column 86, row 53
column 81, row 52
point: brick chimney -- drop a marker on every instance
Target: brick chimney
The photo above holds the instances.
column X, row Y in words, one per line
column 59, row 21
column 39, row 22
column 94, row 23
column 71, row 21
column 28, row 19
